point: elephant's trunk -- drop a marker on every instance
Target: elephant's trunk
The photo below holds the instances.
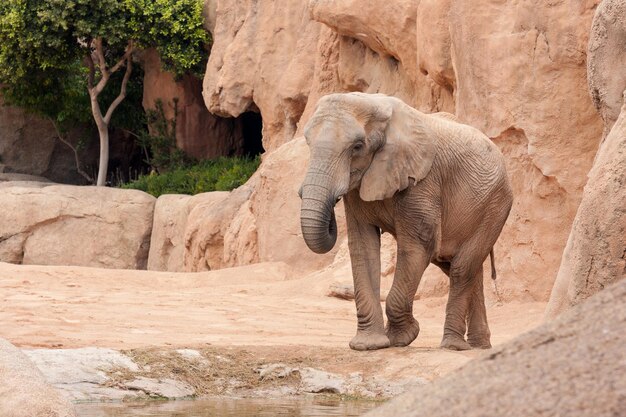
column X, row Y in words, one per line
column 317, row 216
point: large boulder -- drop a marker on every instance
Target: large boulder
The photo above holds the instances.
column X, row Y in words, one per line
column 595, row 255
column 208, row 222
column 171, row 215
column 26, row 141
column 167, row 242
column 573, row 366
column 69, row 225
column 606, row 60
column 24, row 392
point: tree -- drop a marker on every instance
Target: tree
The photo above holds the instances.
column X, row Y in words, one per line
column 49, row 48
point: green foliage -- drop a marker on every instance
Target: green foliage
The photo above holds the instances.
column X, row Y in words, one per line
column 43, row 44
column 223, row 174
column 175, row 28
column 160, row 142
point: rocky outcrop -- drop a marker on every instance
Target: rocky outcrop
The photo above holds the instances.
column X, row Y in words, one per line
column 67, row 225
column 199, row 133
column 595, row 255
column 521, row 78
column 24, row 392
column 573, row 366
column 262, row 59
column 258, row 222
column 171, row 215
column 26, row 142
column 208, row 223
column 606, row 60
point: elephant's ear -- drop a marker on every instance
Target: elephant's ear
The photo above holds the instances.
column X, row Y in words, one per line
column 405, row 157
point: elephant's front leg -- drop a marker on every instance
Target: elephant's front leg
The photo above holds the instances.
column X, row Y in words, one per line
column 402, row 328
column 364, row 245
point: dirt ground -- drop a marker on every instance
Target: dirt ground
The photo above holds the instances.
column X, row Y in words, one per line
column 258, row 314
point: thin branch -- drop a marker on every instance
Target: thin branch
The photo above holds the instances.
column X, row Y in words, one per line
column 92, row 71
column 128, row 132
column 127, row 54
column 102, row 65
column 100, row 55
column 122, row 95
column 73, row 148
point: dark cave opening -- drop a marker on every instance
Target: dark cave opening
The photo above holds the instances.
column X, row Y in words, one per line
column 252, row 130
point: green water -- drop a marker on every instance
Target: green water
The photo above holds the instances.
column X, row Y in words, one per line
column 228, row 407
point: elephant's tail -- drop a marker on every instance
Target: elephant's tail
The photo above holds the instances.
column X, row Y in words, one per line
column 493, row 275
column 493, row 265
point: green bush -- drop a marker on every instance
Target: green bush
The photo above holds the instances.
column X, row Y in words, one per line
column 222, row 174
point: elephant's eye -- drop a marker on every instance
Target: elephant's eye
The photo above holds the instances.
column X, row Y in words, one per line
column 357, row 147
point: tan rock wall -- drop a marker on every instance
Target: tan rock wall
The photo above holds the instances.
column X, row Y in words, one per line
column 262, row 59
column 595, row 254
column 167, row 245
column 517, row 71
column 199, row 133
column 607, row 60
column 68, row 225
column 210, row 220
column 26, row 142
column 520, row 76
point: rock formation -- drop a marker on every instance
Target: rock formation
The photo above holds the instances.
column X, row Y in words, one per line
column 199, row 133
column 169, row 231
column 67, row 225
column 595, row 255
column 26, row 142
column 515, row 71
column 573, row 366
column 168, row 228
column 24, row 392
column 606, row 60
column 208, row 224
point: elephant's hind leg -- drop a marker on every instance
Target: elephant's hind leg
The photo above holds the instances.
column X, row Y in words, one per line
column 464, row 303
column 478, row 333
column 402, row 328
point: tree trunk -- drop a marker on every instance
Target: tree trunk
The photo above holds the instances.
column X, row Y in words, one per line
column 103, row 121
column 103, row 132
column 104, row 156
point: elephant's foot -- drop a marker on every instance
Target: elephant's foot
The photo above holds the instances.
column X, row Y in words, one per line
column 479, row 342
column 454, row 342
column 404, row 334
column 369, row 341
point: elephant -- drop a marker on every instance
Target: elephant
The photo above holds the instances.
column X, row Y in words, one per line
column 438, row 186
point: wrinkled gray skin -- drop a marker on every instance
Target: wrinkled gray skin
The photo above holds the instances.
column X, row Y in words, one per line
column 438, row 186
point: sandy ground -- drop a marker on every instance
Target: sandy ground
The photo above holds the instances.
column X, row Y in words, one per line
column 250, row 309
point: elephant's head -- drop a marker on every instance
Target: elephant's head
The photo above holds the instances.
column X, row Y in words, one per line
column 370, row 142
